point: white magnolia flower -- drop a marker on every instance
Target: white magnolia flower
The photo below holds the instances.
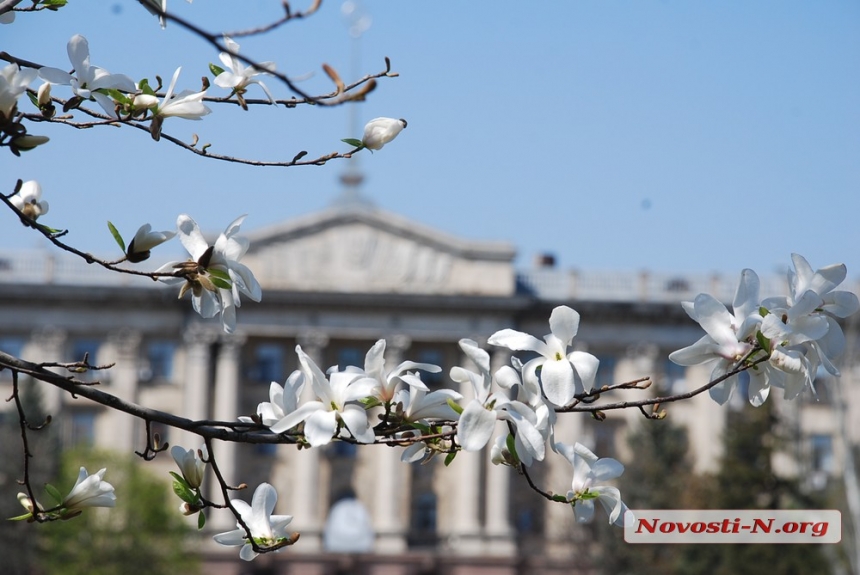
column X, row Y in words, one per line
column 338, row 405
column 588, row 470
column 13, row 83
column 562, row 375
column 727, row 336
column 478, row 419
column 238, row 76
column 29, row 201
column 143, row 242
column 385, row 384
column 90, row 491
column 211, row 269
column 267, row 530
column 380, row 131
column 192, row 463
column 87, row 80
column 836, row 303
column 282, row 400
column 186, row 104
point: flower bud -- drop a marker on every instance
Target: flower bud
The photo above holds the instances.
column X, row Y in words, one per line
column 380, row 131
column 43, row 97
column 27, row 142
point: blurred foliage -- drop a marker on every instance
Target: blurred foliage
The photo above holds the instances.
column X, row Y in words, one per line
column 143, row 534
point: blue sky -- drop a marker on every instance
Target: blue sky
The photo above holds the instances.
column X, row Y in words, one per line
column 671, row 136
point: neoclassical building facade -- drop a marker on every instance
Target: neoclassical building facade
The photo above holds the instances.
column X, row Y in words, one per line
column 335, row 282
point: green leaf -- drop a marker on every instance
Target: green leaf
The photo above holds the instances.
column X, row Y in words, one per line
column 145, row 87
column 220, row 274
column 762, row 341
column 20, row 517
column 449, row 458
column 763, row 311
column 421, row 427
column 33, row 98
column 369, row 402
column 353, row 142
column 219, row 283
column 53, row 4
column 201, row 520
column 560, row 498
column 511, row 444
column 54, row 493
column 216, row 70
column 116, row 95
column 116, row 236
column 184, row 491
column 455, row 406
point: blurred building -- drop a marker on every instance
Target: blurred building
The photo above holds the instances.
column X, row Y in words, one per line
column 335, row 282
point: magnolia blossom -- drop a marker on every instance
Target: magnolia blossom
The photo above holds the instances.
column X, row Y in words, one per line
column 13, row 83
column 588, row 470
column 562, row 375
column 87, row 80
column 385, row 384
column 833, row 303
column 214, row 275
column 144, row 240
column 192, row 463
column 415, row 405
column 380, row 131
column 186, row 104
column 238, row 76
column 29, row 201
column 727, row 336
column 282, row 400
column 90, row 491
column 267, row 530
column 338, row 404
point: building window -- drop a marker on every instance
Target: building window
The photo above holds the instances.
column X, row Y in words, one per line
column 674, row 377
column 424, row 520
column 268, row 363
column 347, row 356
column 82, row 427
column 266, row 449
column 12, row 346
column 159, row 357
column 605, row 372
column 88, row 348
column 433, row 357
column 822, row 453
column 342, row 450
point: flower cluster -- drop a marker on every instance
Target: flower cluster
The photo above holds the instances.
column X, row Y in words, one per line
column 213, row 275
column 778, row 341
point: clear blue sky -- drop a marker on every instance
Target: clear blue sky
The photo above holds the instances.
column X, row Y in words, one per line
column 671, row 135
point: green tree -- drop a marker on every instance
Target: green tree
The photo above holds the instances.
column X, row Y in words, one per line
column 143, row 534
column 659, row 477
column 18, row 539
column 746, row 480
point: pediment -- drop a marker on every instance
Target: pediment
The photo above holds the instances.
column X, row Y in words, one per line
column 362, row 249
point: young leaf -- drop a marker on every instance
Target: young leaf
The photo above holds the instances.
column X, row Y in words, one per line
column 145, row 87
column 221, row 284
column 53, row 4
column 20, row 517
column 116, row 236
column 54, row 493
column 511, row 444
column 449, row 458
column 220, row 274
column 216, row 70
column 455, row 406
column 201, row 520
column 353, row 142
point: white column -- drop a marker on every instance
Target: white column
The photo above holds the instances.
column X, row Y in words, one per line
column 464, row 489
column 497, row 525
column 308, row 496
column 195, row 400
column 50, row 343
column 227, row 369
column 124, row 379
column 391, row 493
